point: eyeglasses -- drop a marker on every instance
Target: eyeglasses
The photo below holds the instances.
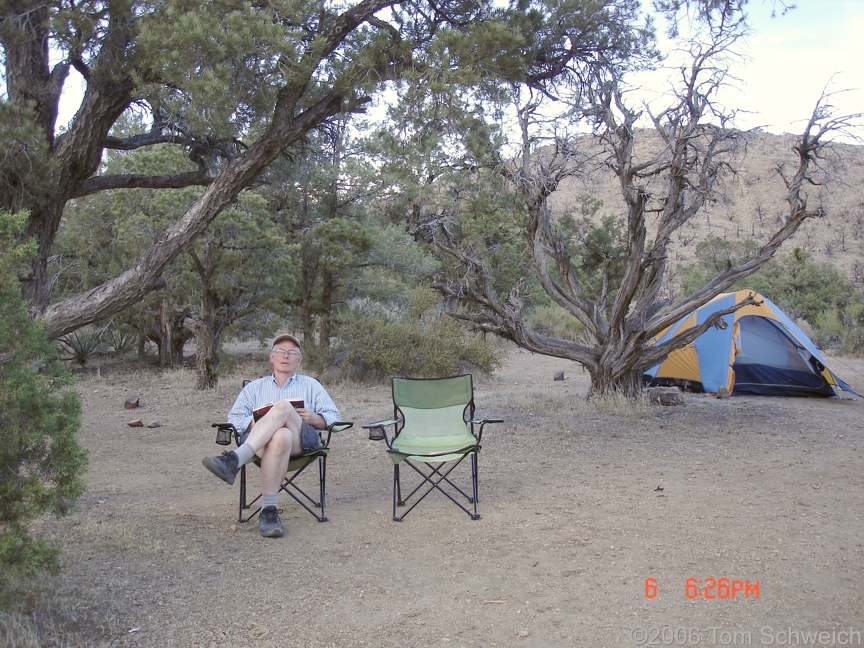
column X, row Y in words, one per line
column 291, row 353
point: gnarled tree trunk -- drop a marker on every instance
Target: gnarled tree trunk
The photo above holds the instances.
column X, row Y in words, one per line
column 606, row 382
column 205, row 339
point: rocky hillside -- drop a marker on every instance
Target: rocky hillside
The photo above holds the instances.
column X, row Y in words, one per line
column 752, row 202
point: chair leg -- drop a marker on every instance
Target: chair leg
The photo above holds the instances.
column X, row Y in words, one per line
column 396, row 489
column 442, row 477
column 476, row 474
column 243, row 503
column 476, row 515
column 289, row 487
column 322, row 481
column 434, row 481
column 242, row 488
column 400, row 500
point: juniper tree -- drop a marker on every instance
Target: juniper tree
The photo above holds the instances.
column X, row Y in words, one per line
column 41, row 462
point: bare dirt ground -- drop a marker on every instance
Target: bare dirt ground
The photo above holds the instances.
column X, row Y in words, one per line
column 765, row 490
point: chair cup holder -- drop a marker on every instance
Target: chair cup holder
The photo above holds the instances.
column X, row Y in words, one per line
column 376, row 433
column 223, row 436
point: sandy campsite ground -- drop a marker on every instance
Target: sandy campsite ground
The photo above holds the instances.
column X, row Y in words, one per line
column 573, row 523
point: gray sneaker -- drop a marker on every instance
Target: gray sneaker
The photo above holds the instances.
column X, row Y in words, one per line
column 269, row 523
column 224, row 467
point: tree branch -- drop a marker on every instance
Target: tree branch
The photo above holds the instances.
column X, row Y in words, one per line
column 141, row 181
column 146, row 139
column 810, row 147
column 504, row 320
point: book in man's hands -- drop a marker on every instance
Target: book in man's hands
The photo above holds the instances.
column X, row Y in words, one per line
column 261, row 411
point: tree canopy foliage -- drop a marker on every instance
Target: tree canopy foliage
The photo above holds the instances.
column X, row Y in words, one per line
column 234, row 85
column 224, row 281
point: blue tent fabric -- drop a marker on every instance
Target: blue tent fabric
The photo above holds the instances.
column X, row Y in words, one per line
column 714, row 365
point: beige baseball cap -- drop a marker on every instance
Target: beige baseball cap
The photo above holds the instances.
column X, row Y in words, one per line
column 286, row 336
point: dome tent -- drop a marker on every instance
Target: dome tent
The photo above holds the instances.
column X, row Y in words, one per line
column 761, row 351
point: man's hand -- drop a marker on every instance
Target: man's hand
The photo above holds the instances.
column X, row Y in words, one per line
column 315, row 420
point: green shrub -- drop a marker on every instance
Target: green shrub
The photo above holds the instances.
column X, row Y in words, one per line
column 41, row 462
column 554, row 321
column 802, row 286
column 807, row 290
column 418, row 340
column 843, row 329
column 794, row 281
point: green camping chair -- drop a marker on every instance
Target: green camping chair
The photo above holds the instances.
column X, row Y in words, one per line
column 226, row 432
column 433, row 425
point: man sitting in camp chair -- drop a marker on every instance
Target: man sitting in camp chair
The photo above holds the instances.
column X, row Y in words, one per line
column 284, row 431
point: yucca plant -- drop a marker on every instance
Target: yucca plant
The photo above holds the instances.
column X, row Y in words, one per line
column 120, row 339
column 79, row 348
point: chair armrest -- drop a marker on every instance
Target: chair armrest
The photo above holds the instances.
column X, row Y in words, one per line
column 392, row 421
column 225, row 439
column 336, row 426
column 377, row 432
column 481, row 423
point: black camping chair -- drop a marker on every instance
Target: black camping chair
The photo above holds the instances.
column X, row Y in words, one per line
column 226, row 432
column 433, row 425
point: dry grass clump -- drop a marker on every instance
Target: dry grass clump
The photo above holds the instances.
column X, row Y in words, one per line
column 47, row 618
column 571, row 404
column 17, row 631
column 120, row 535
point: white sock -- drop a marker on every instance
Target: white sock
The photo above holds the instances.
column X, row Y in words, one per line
column 270, row 500
column 244, row 453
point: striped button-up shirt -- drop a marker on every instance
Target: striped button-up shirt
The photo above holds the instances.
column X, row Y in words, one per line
column 266, row 391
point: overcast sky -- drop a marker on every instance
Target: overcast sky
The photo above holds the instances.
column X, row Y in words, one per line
column 791, row 58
